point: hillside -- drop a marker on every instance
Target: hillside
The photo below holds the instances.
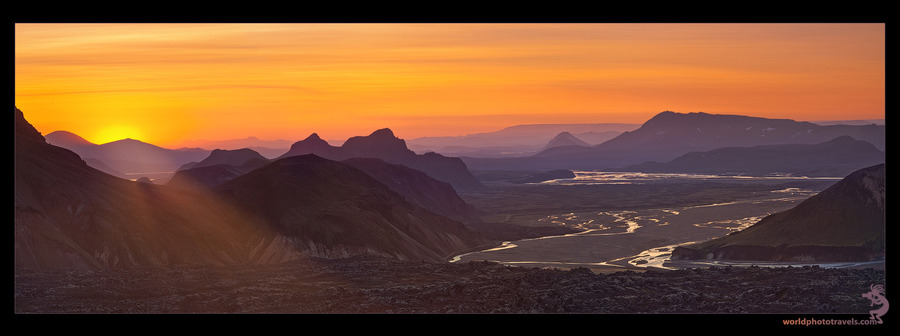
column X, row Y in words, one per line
column 845, row 222
column 331, row 209
column 837, row 157
column 69, row 215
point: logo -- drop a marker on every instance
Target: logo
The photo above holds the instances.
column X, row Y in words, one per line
column 876, row 295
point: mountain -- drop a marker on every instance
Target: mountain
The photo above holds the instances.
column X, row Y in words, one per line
column 418, row 188
column 845, row 222
column 69, row 215
column 383, row 144
column 267, row 148
column 838, row 157
column 669, row 135
column 128, row 156
column 65, row 139
column 565, row 139
column 515, row 141
column 219, row 167
column 332, row 209
column 235, row 157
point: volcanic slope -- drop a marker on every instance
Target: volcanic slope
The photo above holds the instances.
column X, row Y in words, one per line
column 331, row 209
column 220, row 166
column 416, row 186
column 845, row 222
column 69, row 215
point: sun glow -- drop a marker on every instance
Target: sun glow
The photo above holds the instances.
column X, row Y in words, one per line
column 115, row 132
column 215, row 81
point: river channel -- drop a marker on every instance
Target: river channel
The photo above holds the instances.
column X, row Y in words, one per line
column 641, row 238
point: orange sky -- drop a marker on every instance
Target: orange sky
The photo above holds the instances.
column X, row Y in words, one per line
column 167, row 83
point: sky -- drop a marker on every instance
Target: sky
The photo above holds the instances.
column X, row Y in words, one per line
column 169, row 83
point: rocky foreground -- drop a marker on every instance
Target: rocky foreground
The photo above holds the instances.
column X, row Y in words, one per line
column 375, row 285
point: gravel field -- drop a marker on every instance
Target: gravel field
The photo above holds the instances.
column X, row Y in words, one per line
column 382, row 286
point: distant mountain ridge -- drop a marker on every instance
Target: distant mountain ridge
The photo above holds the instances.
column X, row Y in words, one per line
column 383, row 144
column 565, row 139
column 669, row 135
column 845, row 222
column 128, row 155
column 837, row 157
column 515, row 141
column 267, row 148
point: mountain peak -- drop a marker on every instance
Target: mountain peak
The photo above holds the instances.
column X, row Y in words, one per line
column 383, row 133
column 382, row 140
column 313, row 137
column 564, row 139
column 66, row 137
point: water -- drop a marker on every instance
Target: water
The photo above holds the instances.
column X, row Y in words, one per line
column 645, row 237
column 597, row 177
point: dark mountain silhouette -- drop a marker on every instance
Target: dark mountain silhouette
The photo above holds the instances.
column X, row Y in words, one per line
column 313, row 144
column 331, row 209
column 208, row 176
column 69, row 215
column 838, row 157
column 65, row 138
column 382, row 144
column 235, row 157
column 419, row 188
column 71, row 140
column 669, row 135
column 266, row 148
column 565, row 139
column 128, row 155
column 219, row 167
column 845, row 222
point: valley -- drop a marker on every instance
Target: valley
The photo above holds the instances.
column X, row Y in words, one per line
column 357, row 229
column 612, row 223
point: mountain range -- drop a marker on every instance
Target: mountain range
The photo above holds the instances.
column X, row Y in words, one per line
column 516, row 141
column 331, row 209
column 416, row 186
column 127, row 157
column 845, row 222
column 669, row 135
column 837, row 157
column 382, row 144
column 70, row 215
column 267, row 148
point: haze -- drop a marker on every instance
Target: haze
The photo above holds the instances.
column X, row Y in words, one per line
column 169, row 83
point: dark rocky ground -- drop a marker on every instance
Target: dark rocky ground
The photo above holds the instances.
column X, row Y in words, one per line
column 373, row 285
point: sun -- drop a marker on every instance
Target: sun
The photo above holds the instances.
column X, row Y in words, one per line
column 116, row 132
